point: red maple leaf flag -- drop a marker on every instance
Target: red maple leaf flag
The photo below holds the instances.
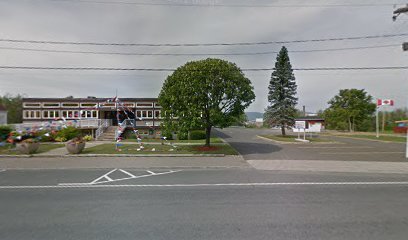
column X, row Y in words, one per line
column 385, row 102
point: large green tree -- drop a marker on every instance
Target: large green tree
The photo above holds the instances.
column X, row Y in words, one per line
column 14, row 106
column 203, row 94
column 351, row 109
column 282, row 99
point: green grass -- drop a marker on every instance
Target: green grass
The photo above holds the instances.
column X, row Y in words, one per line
column 290, row 138
column 147, row 140
column 10, row 149
column 109, row 148
column 373, row 137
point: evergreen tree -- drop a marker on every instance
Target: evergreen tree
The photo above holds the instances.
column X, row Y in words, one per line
column 282, row 98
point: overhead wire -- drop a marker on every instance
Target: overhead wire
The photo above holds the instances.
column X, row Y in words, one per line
column 216, row 4
column 173, row 69
column 203, row 44
column 196, row 54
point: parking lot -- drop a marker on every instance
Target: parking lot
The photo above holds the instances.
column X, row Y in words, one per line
column 247, row 142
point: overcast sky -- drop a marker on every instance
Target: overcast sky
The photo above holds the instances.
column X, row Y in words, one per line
column 100, row 21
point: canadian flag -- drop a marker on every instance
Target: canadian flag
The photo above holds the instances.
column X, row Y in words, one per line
column 385, row 102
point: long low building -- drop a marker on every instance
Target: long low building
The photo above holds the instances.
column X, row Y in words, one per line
column 94, row 112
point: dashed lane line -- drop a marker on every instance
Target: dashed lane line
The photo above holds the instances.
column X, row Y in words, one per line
column 276, row 184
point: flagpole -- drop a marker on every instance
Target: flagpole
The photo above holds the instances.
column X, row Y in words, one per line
column 376, row 123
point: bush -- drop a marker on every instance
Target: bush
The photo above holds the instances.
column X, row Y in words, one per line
column 4, row 132
column 167, row 133
column 60, row 139
column 88, row 138
column 69, row 133
column 197, row 135
column 182, row 135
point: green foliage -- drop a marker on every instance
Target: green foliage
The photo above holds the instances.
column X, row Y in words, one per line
column 203, row 94
column 351, row 110
column 197, row 135
column 69, row 133
column 282, row 98
column 4, row 132
column 88, row 138
column 14, row 105
column 60, row 139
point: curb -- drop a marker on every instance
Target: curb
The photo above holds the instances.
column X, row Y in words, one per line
column 367, row 139
column 114, row 155
column 298, row 143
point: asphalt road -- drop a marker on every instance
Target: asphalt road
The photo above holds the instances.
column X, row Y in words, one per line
column 342, row 149
column 201, row 204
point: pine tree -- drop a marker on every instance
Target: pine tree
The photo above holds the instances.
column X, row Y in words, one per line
column 282, row 98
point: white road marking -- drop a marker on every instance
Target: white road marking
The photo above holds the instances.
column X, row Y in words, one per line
column 331, row 147
column 103, row 176
column 207, row 185
column 127, row 173
column 109, row 180
column 142, row 176
column 2, row 170
column 342, row 153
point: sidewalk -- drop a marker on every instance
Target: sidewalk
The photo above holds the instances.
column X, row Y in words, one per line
column 122, row 162
column 330, row 166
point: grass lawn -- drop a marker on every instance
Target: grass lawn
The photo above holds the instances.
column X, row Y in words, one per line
column 147, row 140
column 44, row 147
column 373, row 137
column 109, row 148
column 290, row 138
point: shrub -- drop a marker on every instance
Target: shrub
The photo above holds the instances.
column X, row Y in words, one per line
column 60, row 139
column 68, row 133
column 88, row 138
column 4, row 132
column 182, row 135
column 197, row 135
column 167, row 133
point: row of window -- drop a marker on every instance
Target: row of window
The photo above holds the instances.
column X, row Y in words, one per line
column 51, row 114
column 86, row 105
column 75, row 114
column 148, row 114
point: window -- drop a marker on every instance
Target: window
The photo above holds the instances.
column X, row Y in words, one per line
column 144, row 105
column 127, row 104
column 70, row 114
column 32, row 114
column 149, row 114
column 89, row 114
column 51, row 114
column 32, row 105
column 157, row 114
column 139, row 114
column 70, row 105
column 87, row 105
column 51, row 105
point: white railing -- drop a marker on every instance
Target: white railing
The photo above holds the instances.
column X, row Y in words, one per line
column 104, row 124
column 55, row 125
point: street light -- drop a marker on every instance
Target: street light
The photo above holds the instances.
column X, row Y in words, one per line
column 399, row 11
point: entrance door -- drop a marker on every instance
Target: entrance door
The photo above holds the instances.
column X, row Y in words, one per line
column 111, row 115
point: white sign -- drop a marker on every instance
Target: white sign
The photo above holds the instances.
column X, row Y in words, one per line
column 300, row 124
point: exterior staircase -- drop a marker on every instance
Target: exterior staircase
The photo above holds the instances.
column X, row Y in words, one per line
column 108, row 134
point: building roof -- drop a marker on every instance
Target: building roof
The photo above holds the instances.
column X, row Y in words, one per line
column 2, row 108
column 309, row 118
column 89, row 99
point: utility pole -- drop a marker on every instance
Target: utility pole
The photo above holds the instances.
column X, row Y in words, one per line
column 397, row 12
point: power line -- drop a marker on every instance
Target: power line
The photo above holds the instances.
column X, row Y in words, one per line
column 204, row 44
column 213, row 4
column 173, row 69
column 197, row 54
